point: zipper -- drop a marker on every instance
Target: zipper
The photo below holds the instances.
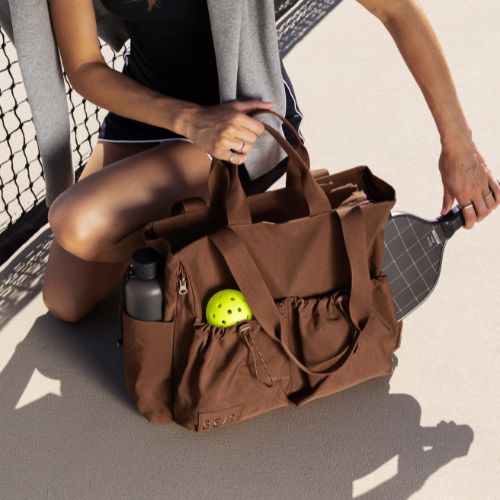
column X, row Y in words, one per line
column 182, row 290
column 181, row 305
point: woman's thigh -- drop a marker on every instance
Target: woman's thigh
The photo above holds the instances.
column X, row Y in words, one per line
column 105, row 153
column 71, row 285
column 109, row 203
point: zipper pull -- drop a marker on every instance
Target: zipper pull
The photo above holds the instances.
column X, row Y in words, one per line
column 182, row 284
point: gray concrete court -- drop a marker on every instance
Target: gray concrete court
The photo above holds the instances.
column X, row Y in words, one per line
column 431, row 431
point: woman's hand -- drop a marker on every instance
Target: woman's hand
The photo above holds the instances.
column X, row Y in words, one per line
column 467, row 178
column 225, row 131
column 463, row 170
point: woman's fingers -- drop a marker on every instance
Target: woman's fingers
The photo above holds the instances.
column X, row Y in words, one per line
column 226, row 131
column 246, row 121
column 495, row 188
column 477, row 206
column 236, row 158
column 490, row 202
column 239, row 142
column 467, row 178
column 492, row 199
column 468, row 211
column 480, row 207
column 239, row 145
column 234, row 150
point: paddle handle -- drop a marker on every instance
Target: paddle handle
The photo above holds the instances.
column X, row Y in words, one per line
column 451, row 222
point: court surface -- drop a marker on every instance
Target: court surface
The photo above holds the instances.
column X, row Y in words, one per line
column 431, row 431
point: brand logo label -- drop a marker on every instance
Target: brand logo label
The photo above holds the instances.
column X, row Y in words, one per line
column 433, row 239
column 213, row 419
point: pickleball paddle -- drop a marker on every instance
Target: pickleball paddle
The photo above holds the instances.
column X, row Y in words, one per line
column 413, row 253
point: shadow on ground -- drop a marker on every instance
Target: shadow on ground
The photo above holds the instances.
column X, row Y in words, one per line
column 90, row 441
column 21, row 279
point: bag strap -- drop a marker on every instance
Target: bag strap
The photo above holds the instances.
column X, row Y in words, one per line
column 298, row 175
column 188, row 205
column 257, row 294
column 218, row 178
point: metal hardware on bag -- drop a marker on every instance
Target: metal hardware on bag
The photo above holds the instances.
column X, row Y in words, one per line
column 181, row 314
column 182, row 287
column 182, row 283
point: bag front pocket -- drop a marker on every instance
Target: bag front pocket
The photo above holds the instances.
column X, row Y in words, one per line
column 231, row 374
column 147, row 355
column 372, row 356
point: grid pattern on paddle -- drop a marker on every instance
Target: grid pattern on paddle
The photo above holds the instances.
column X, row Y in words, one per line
column 413, row 251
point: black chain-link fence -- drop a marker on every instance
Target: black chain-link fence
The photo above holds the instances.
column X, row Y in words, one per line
column 22, row 186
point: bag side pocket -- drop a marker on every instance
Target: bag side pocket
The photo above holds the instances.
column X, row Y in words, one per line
column 147, row 355
column 232, row 374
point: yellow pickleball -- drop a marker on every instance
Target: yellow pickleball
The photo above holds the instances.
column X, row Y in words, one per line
column 227, row 307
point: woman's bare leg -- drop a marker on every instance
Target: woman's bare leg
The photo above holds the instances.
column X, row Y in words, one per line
column 97, row 222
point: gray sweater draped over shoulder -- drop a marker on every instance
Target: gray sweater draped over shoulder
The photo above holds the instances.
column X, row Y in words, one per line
column 248, row 66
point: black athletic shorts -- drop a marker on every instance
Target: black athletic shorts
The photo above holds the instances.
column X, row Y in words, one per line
column 116, row 128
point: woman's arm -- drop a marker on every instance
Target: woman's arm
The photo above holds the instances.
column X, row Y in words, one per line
column 463, row 171
column 76, row 35
column 218, row 130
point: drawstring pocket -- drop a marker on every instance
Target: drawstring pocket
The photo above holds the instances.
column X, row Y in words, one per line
column 244, row 329
column 340, row 300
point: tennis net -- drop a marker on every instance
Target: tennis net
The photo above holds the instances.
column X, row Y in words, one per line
column 23, row 210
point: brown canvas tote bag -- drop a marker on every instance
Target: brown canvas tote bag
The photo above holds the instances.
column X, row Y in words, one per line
column 308, row 260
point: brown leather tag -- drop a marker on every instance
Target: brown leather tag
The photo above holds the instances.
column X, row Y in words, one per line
column 214, row 419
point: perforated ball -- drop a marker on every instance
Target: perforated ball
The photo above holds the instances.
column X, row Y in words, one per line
column 227, row 307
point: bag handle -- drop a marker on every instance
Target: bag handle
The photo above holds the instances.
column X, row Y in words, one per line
column 298, row 176
column 257, row 294
column 218, row 178
column 292, row 180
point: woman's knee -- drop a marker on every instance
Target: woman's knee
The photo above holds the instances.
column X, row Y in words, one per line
column 66, row 313
column 64, row 308
column 79, row 230
column 91, row 216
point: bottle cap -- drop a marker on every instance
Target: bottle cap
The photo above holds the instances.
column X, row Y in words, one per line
column 145, row 263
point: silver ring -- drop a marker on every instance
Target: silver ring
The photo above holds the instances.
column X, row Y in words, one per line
column 242, row 147
column 230, row 157
column 467, row 206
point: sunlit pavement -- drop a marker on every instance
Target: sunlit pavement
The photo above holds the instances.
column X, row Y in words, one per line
column 428, row 432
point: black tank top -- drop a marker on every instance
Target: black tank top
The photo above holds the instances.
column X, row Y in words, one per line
column 172, row 51
column 171, row 47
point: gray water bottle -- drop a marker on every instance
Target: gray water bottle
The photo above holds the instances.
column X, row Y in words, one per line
column 143, row 291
